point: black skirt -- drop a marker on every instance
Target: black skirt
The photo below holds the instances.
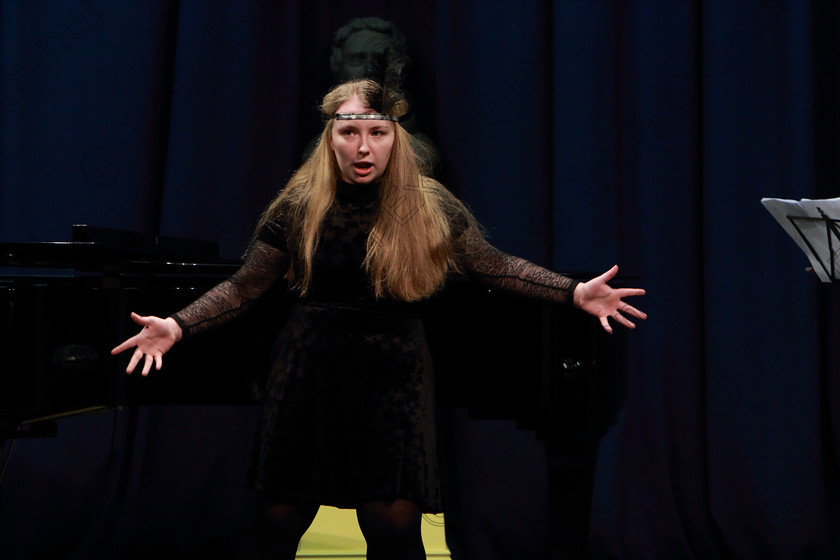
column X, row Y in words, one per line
column 348, row 415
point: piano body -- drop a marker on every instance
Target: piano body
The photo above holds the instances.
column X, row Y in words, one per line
column 64, row 305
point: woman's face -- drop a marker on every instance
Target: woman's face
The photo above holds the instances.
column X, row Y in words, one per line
column 362, row 147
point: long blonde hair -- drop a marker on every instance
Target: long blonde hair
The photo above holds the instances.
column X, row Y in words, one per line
column 410, row 249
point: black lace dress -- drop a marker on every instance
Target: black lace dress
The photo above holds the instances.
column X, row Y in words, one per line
column 349, row 413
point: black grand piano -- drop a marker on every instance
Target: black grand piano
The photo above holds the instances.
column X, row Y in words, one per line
column 63, row 306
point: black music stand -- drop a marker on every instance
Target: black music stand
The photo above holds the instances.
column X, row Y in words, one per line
column 832, row 233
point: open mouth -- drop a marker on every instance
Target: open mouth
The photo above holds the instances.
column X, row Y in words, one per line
column 362, row 168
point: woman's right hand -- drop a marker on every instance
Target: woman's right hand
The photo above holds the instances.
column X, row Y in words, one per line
column 152, row 342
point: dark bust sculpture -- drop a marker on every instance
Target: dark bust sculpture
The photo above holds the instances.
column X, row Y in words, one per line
column 364, row 46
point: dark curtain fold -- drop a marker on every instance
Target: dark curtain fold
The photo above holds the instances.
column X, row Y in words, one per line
column 582, row 134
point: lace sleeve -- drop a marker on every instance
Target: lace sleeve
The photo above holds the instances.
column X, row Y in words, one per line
column 498, row 270
column 263, row 265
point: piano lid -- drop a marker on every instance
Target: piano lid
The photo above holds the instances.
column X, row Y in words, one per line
column 97, row 249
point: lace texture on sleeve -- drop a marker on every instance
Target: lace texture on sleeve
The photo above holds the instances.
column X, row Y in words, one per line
column 509, row 274
column 263, row 265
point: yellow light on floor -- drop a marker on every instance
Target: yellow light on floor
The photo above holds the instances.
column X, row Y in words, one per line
column 335, row 535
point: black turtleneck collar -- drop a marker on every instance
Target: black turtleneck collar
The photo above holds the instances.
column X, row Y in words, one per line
column 356, row 193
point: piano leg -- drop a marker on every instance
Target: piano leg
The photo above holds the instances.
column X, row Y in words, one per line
column 570, row 481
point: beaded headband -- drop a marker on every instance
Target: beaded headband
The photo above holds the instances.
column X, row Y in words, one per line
column 365, row 117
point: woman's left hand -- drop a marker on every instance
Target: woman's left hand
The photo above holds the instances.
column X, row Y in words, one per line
column 597, row 298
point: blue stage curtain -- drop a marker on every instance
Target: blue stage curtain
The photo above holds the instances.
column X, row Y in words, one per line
column 582, row 134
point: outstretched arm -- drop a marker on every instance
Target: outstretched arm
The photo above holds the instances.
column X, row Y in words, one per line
column 507, row 273
column 229, row 299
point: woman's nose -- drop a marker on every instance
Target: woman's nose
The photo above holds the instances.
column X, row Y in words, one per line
column 363, row 144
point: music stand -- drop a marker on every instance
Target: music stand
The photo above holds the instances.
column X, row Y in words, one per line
column 831, row 232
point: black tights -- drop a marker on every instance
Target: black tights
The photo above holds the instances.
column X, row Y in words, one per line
column 391, row 530
column 282, row 527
